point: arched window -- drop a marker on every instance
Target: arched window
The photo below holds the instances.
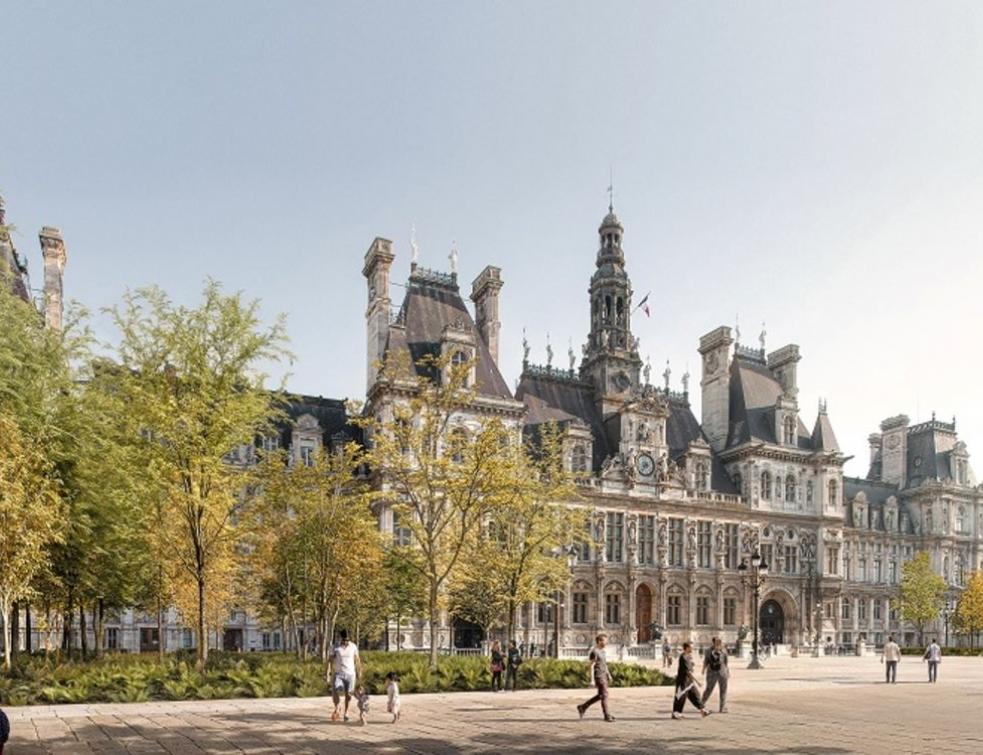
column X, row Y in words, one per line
column 607, row 307
column 578, row 459
column 833, row 493
column 790, row 491
column 766, row 485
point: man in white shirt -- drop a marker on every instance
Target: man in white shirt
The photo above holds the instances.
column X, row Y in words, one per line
column 892, row 656
column 347, row 667
column 933, row 654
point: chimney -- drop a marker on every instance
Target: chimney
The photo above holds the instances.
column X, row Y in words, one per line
column 894, row 450
column 484, row 294
column 715, row 405
column 53, row 250
column 378, row 262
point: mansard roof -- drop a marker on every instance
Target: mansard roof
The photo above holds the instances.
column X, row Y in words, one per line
column 682, row 428
column 754, row 391
column 877, row 493
column 330, row 413
column 823, row 437
column 929, row 449
column 559, row 398
column 432, row 303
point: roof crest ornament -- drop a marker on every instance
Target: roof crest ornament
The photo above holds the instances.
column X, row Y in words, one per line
column 549, row 351
column 761, row 338
column 737, row 328
column 413, row 245
column 453, row 257
column 611, row 192
column 525, row 347
column 686, row 381
column 571, row 355
column 647, row 369
column 667, row 374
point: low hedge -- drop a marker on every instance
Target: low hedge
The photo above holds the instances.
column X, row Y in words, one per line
column 139, row 678
column 945, row 651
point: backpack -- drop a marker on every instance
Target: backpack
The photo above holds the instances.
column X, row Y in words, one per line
column 716, row 662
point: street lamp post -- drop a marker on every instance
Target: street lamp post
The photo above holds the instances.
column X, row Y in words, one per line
column 819, row 626
column 757, row 571
column 946, row 614
column 571, row 554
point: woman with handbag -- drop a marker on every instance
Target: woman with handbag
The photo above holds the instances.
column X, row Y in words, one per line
column 497, row 666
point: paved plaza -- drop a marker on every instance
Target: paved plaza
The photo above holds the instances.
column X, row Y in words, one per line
column 825, row 706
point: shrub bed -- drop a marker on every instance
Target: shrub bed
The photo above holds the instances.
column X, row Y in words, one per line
column 945, row 651
column 138, row 678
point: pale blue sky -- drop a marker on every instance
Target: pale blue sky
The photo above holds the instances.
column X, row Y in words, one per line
column 813, row 165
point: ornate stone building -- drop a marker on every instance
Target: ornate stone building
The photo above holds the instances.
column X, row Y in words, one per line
column 677, row 503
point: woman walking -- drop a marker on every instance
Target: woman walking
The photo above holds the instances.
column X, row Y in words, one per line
column 686, row 684
column 497, row 665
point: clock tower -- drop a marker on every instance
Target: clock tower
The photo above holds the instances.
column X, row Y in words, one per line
column 611, row 360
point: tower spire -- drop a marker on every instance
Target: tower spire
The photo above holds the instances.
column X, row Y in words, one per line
column 611, row 192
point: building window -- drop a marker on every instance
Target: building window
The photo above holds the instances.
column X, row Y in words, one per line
column 702, row 610
column 401, row 535
column 832, row 559
column 846, row 609
column 828, row 611
column 674, row 604
column 112, row 638
column 730, row 612
column 703, row 544
column 612, row 608
column 862, row 610
column 702, row 475
column 894, row 572
column 187, row 639
column 739, row 483
column 457, row 360
column 730, row 542
column 832, row 493
column 767, row 555
column 960, row 573
column 790, row 430
column 267, row 641
column 307, row 455
column 269, row 443
column 878, row 571
column 458, row 443
column 862, row 571
column 790, row 489
column 583, row 547
column 675, row 542
column 646, row 539
column 847, row 566
column 766, row 485
column 613, row 534
column 580, row 608
column 878, row 609
column 791, row 559
column 961, row 520
column 579, row 459
column 544, row 613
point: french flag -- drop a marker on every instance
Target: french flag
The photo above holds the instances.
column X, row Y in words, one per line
column 644, row 305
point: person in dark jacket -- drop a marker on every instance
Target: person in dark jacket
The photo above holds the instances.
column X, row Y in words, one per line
column 497, row 666
column 512, row 669
column 4, row 730
column 686, row 684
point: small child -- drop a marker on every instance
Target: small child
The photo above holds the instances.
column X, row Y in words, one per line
column 363, row 703
column 392, row 690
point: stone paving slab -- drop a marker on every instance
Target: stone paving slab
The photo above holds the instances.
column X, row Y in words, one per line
column 821, row 706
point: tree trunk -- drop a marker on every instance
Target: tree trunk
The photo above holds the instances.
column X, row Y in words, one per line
column 14, row 626
column 434, row 621
column 97, row 626
column 399, row 632
column 160, row 629
column 203, row 644
column 27, row 629
column 5, row 615
column 69, row 634
column 83, row 639
column 511, row 623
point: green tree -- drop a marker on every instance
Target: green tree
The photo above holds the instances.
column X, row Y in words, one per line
column 534, row 527
column 405, row 586
column 31, row 518
column 969, row 610
column 922, row 592
column 442, row 478
column 475, row 593
column 196, row 392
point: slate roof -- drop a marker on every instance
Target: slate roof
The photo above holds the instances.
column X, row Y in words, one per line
column 925, row 460
column 683, row 428
column 754, row 391
column 329, row 412
column 877, row 492
column 428, row 307
column 558, row 400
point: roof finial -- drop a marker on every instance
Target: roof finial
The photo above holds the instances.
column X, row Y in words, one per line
column 764, row 333
column 414, row 246
column 611, row 192
column 647, row 370
column 571, row 355
column 453, row 257
column 525, row 347
column 686, row 381
column 737, row 328
column 549, row 350
column 667, row 375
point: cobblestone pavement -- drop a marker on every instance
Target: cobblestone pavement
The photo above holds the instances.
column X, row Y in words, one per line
column 825, row 706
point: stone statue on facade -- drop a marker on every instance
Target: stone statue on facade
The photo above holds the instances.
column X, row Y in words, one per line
column 414, row 246
column 663, row 534
column 632, row 531
column 525, row 348
column 571, row 356
column 549, row 351
column 647, row 371
column 453, row 257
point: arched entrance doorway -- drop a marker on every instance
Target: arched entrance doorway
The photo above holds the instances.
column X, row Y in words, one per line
column 771, row 623
column 467, row 634
column 643, row 613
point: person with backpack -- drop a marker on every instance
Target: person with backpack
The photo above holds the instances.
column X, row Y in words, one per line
column 717, row 672
column 512, row 669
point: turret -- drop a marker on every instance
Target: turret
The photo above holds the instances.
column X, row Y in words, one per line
column 378, row 263
column 53, row 250
column 484, row 294
column 715, row 405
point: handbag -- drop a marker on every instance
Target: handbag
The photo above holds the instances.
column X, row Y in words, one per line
column 496, row 667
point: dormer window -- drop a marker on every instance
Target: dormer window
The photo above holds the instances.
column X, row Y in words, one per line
column 457, row 442
column 833, row 490
column 790, row 489
column 702, row 475
column 766, row 485
column 459, row 358
column 578, row 459
column 790, row 431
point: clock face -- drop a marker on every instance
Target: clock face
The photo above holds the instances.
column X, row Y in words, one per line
column 645, row 464
column 622, row 381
